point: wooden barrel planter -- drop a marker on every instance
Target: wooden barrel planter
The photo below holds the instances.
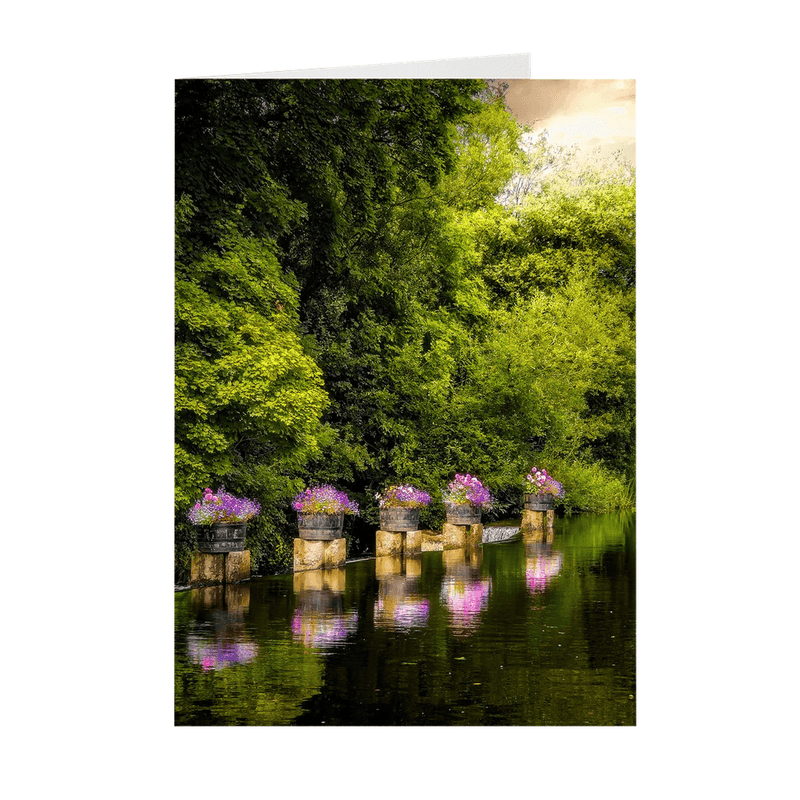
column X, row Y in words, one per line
column 458, row 514
column 222, row 537
column 535, row 502
column 320, row 527
column 399, row 519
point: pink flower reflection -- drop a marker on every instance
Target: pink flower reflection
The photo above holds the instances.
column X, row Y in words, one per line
column 540, row 570
column 219, row 655
column 408, row 613
column 465, row 600
column 316, row 629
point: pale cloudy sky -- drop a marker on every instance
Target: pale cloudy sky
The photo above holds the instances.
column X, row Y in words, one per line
column 589, row 113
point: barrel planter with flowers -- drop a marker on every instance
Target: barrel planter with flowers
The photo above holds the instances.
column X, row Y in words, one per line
column 541, row 490
column 533, row 502
column 320, row 527
column 464, row 500
column 221, row 520
column 462, row 514
column 399, row 507
column 222, row 537
column 320, row 512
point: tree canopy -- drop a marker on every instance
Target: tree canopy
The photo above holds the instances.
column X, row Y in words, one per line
column 355, row 304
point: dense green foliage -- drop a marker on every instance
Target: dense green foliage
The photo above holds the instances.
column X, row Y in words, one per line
column 354, row 306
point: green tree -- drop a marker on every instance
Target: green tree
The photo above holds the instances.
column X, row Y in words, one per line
column 243, row 383
column 376, row 281
column 286, row 191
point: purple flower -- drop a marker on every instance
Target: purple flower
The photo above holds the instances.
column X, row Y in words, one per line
column 324, row 499
column 538, row 482
column 223, row 507
column 466, row 489
column 403, row 496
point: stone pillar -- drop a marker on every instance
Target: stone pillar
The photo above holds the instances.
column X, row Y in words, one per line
column 308, row 554
column 391, row 543
column 551, row 519
column 475, row 535
column 534, row 519
column 207, row 568
column 335, row 554
column 237, row 566
column 530, row 534
column 388, row 543
column 412, row 542
column 210, row 568
column 431, row 541
column 454, row 536
column 319, row 554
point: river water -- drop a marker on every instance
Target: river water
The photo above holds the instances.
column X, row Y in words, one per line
column 529, row 630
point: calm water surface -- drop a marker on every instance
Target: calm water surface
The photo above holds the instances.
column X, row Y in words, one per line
column 521, row 632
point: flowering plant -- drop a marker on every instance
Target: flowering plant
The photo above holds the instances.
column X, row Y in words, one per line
column 465, row 489
column 222, row 507
column 324, row 499
column 404, row 496
column 540, row 483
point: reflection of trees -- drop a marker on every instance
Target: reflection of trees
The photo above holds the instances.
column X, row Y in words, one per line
column 599, row 587
column 610, row 622
column 268, row 688
column 464, row 592
column 535, row 667
column 548, row 662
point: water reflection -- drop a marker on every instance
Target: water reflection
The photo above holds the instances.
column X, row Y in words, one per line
column 465, row 592
column 534, row 534
column 400, row 603
column 518, row 632
column 220, row 639
column 319, row 620
column 542, row 564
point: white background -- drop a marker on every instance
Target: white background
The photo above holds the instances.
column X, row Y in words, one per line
column 87, row 340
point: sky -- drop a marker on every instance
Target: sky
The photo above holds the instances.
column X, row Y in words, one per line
column 589, row 113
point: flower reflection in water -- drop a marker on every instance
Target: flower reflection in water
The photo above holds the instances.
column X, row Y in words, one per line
column 222, row 640
column 465, row 600
column 319, row 620
column 541, row 568
column 399, row 603
column 220, row 654
column 406, row 613
column 319, row 630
